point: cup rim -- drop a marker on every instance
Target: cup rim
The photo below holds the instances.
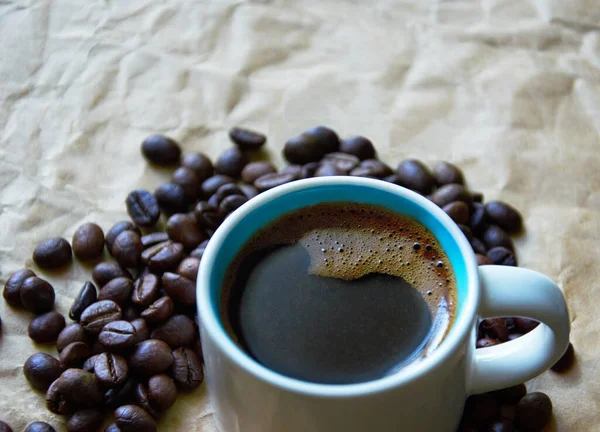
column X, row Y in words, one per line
column 210, row 324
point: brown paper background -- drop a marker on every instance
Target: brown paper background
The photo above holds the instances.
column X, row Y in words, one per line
column 507, row 89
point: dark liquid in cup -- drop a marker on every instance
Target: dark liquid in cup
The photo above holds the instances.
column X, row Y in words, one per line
column 339, row 293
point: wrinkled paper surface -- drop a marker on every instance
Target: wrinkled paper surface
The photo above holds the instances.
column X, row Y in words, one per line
column 507, row 89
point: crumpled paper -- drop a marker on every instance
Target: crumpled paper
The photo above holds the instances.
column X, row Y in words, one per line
column 507, row 89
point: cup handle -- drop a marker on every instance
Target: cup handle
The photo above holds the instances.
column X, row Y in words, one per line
column 513, row 291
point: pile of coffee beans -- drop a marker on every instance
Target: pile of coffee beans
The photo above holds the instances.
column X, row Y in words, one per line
column 133, row 343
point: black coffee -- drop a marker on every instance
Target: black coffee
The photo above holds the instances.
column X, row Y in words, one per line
column 339, row 293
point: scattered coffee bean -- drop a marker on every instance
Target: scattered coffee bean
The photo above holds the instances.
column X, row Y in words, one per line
column 71, row 333
column 142, row 399
column 163, row 256
column 414, row 175
column 98, row 314
column 183, row 229
column 450, row 193
column 41, row 370
column 104, row 272
column 117, row 396
column 447, row 173
column 159, row 311
column 525, row 325
column 188, row 268
column 487, row 342
column 495, row 328
column 505, row 216
column 127, row 249
column 112, row 428
column 74, row 389
column 458, row 211
column 231, row 162
column 329, row 170
column 142, row 207
column 161, row 150
column 177, row 331
column 118, row 290
column 295, row 170
column 373, row 168
column 90, row 363
column 478, row 246
column 327, row 138
column 344, row 161
column 483, row 260
column 466, row 231
column 200, row 163
column 45, row 328
column 4, row 427
column 130, row 313
column 566, row 361
column 74, row 355
column 142, row 332
column 88, row 242
column 151, row 357
column 223, row 192
column 302, row 149
column 154, row 238
column 145, row 289
column 254, row 170
column 478, row 219
column 187, row 369
column 481, row 408
column 52, row 253
column 39, row 426
column 12, row 288
column 117, row 335
column 131, row 418
column 510, row 395
column 269, row 181
column 87, row 295
column 207, row 215
column 503, row 425
column 111, row 369
column 199, row 251
column 162, row 392
column 211, row 184
column 249, row 190
column 86, row 420
column 495, row 236
column 171, row 197
column 534, row 412
column 358, row 146
column 230, row 204
column 501, row 256
column 117, row 229
column 37, row 295
column 247, row 139
column 308, row 170
column 189, row 181
column 179, row 288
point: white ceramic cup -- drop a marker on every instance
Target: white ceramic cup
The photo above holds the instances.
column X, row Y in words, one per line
column 423, row 396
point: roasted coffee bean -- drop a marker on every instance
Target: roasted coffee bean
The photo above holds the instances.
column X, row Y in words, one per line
column 477, row 219
column 142, row 208
column 358, row 146
column 111, row 369
column 41, row 370
column 104, row 272
column 199, row 251
column 458, row 211
column 302, row 149
column 269, row 181
column 247, row 139
column 481, row 408
column 345, row 162
column 145, row 290
column 187, row 369
column 88, row 242
column 71, row 333
column 223, row 192
column 495, row 236
column 231, row 162
column 478, row 246
column 39, row 426
column 4, row 427
column 52, row 253
column 86, row 297
column 12, row 288
column 308, row 170
column 394, row 178
column 116, row 396
column 188, row 268
column 503, row 425
column 132, row 418
column 329, row 170
column 98, row 314
column 162, row 392
column 127, row 249
column 504, row 215
column 163, row 256
column 37, row 295
column 87, row 420
column 90, row 363
column 466, row 231
column 483, row 260
column 142, row 399
column 161, row 150
column 117, row 335
column 171, row 197
column 487, row 342
column 179, row 288
column 501, row 256
column 74, row 355
column 74, row 389
column 566, row 361
column 328, row 139
column 112, row 428
column 230, row 204
column 189, row 181
column 414, row 175
column 207, row 215
column 200, row 163
column 254, row 170
column 525, row 325
column 45, row 328
column 154, row 238
column 151, row 357
column 182, row 228
column 117, row 229
column 372, row 168
column 159, row 311
column 118, row 290
column 534, row 412
column 495, row 328
column 510, row 395
column 130, row 313
column 249, row 190
column 450, row 193
column 211, row 184
column 177, row 331
column 447, row 173
column 294, row 170
column 142, row 332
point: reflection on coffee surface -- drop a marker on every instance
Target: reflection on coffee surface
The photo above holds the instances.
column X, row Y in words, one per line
column 339, row 293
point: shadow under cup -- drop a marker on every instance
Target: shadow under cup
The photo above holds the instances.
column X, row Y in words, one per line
column 267, row 207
